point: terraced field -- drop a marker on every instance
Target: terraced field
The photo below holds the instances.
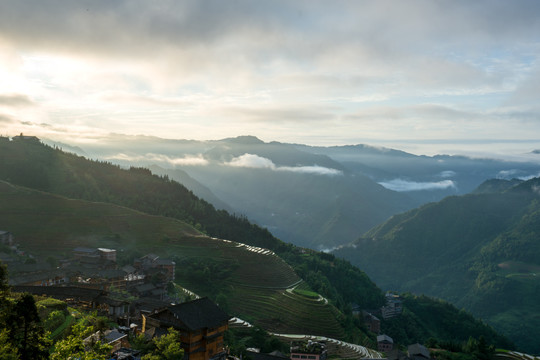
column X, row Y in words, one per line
column 280, row 311
column 256, row 287
column 514, row 355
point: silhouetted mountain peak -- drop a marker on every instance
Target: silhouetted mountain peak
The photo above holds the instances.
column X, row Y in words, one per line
column 244, row 139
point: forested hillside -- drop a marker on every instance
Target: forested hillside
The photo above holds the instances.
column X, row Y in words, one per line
column 479, row 251
column 32, row 164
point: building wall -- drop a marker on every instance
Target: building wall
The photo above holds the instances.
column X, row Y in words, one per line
column 199, row 345
column 385, row 346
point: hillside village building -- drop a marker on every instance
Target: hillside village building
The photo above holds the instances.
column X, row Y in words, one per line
column 393, row 307
column 311, row 350
column 385, row 343
column 201, row 323
column 372, row 322
column 153, row 261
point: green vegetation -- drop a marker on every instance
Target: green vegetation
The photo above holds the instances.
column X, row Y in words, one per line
column 44, row 168
column 253, row 283
column 479, row 251
column 22, row 336
column 239, row 339
column 74, row 347
column 166, row 347
column 425, row 318
column 250, row 284
column 306, row 293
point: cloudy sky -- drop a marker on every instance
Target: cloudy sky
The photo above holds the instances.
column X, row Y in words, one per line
column 409, row 74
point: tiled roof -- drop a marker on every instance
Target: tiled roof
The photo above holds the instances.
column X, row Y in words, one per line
column 199, row 314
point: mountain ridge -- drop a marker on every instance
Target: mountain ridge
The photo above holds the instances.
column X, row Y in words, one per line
column 468, row 250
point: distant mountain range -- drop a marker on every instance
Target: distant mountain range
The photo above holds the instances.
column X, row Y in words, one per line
column 53, row 201
column 318, row 197
column 479, row 251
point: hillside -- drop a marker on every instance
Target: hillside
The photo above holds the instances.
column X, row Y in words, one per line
column 255, row 282
column 312, row 196
column 479, row 251
column 246, row 276
column 42, row 167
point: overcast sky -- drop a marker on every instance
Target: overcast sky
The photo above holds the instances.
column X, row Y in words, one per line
column 315, row 72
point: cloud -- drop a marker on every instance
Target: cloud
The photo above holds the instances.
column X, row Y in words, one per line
column 252, row 161
column 401, row 185
column 15, row 100
column 136, row 99
column 258, row 162
column 507, row 174
column 315, row 169
column 447, row 174
column 198, row 66
column 529, row 177
column 5, row 119
column 160, row 158
column 286, row 113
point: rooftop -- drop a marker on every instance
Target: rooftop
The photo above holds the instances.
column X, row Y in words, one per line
column 199, row 314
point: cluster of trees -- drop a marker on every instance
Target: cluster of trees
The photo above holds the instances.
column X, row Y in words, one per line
column 23, row 335
column 472, row 349
column 239, row 340
column 425, row 318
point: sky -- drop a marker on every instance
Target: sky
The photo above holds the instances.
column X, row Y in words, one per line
column 424, row 76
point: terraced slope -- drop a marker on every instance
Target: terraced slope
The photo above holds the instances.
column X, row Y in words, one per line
column 255, row 281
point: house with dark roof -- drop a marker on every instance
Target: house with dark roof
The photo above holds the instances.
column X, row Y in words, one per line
column 372, row 322
column 75, row 295
column 418, row 352
column 385, row 343
column 153, row 262
column 201, row 324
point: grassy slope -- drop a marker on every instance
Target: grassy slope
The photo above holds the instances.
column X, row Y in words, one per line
column 48, row 224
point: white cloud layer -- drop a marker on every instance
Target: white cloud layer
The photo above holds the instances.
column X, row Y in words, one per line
column 447, row 174
column 401, row 185
column 258, row 162
column 160, row 159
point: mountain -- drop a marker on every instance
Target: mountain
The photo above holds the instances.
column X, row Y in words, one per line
column 48, row 225
column 34, row 165
column 319, row 197
column 304, row 198
column 425, row 178
column 92, row 207
column 479, row 251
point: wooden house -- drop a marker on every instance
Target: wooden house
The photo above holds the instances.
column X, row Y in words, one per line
column 385, row 343
column 201, row 324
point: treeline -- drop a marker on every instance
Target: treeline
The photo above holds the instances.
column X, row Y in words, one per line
column 432, row 321
column 49, row 169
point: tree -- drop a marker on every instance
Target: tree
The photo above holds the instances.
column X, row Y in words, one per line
column 7, row 350
column 74, row 346
column 4, row 285
column 167, row 347
column 26, row 330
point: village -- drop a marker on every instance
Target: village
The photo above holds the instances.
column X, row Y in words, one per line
column 141, row 299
